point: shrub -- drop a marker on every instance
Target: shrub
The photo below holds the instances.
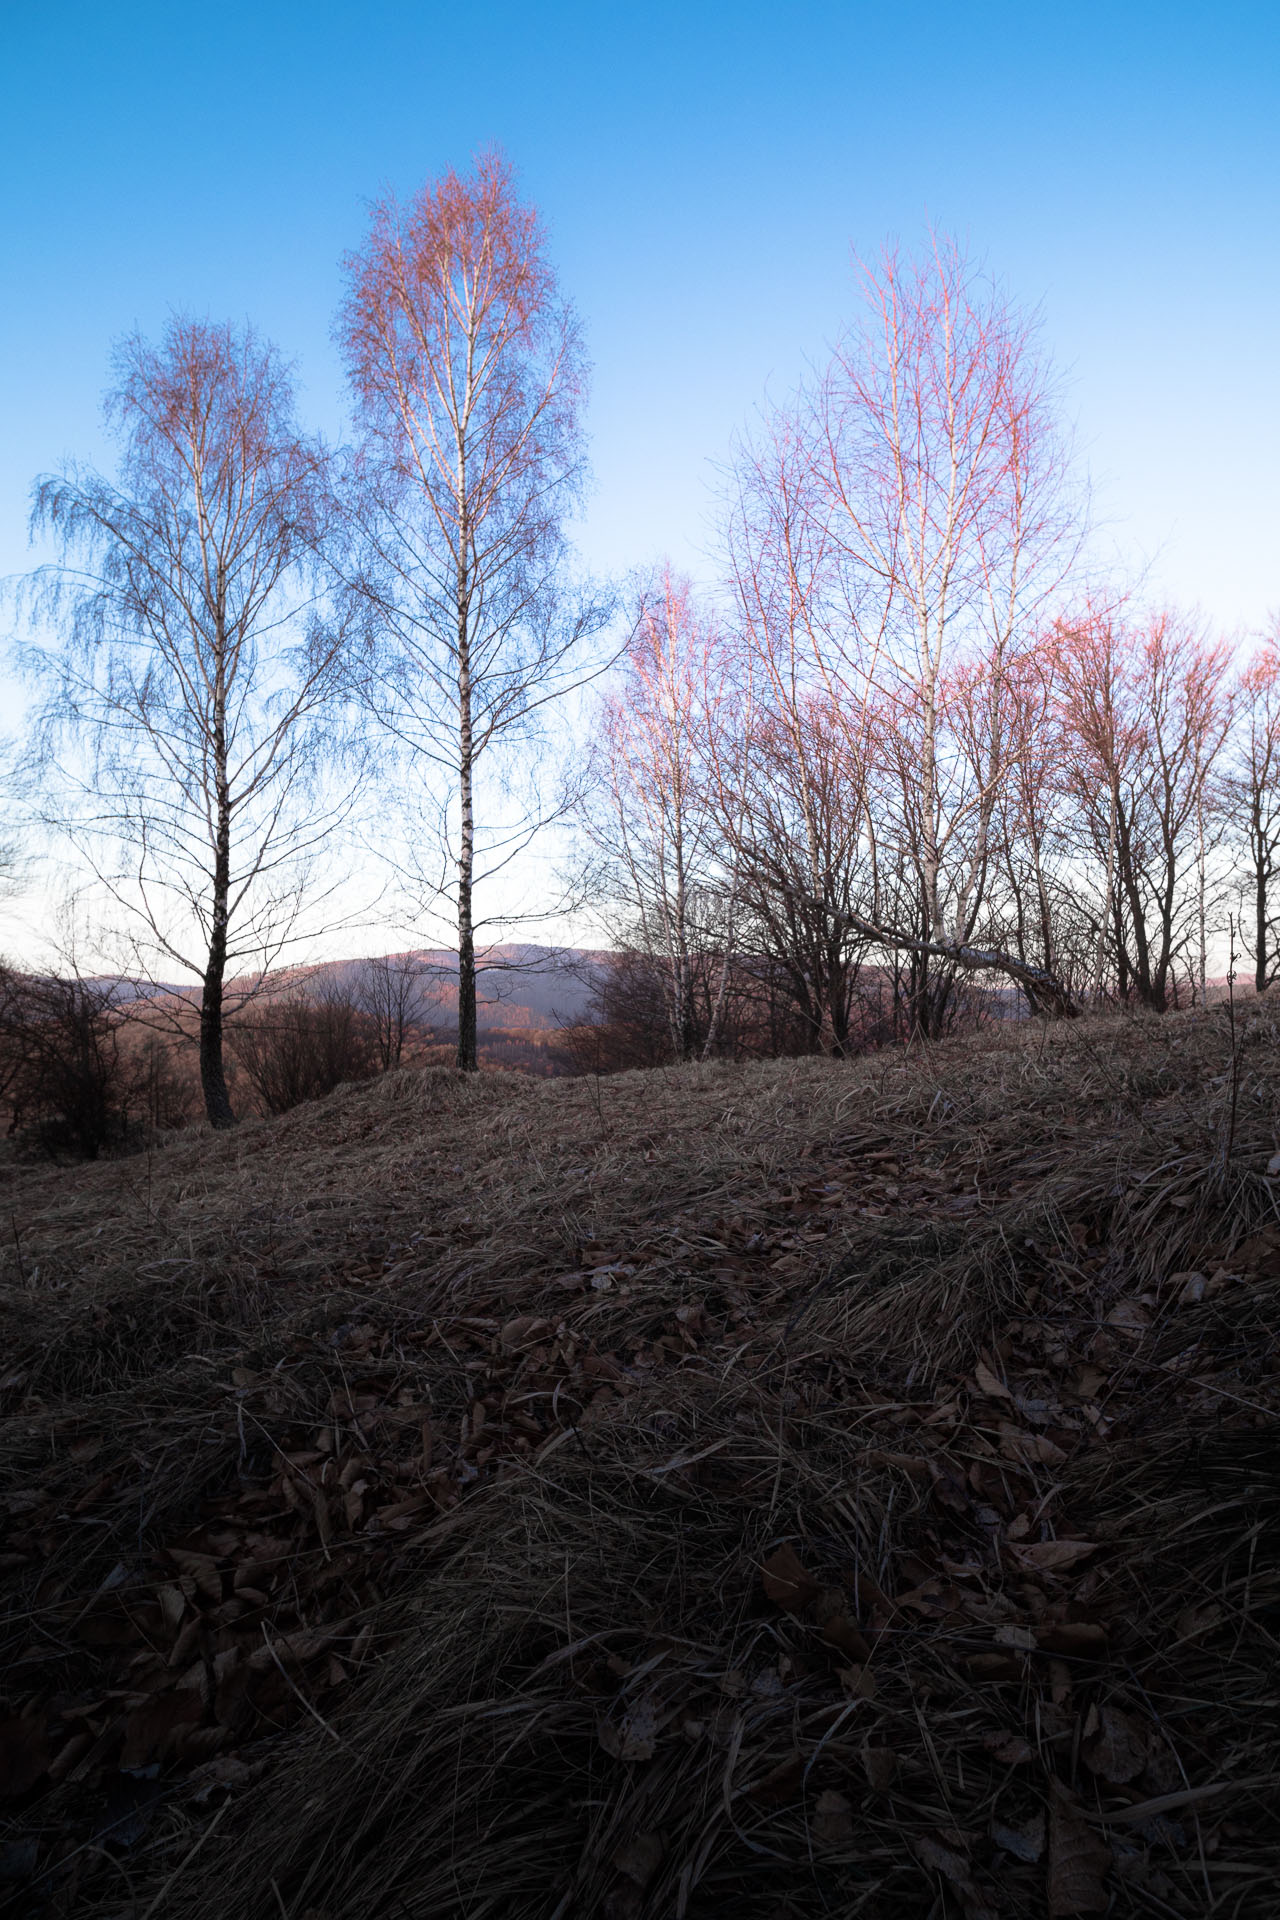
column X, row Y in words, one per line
column 63, row 1075
column 301, row 1046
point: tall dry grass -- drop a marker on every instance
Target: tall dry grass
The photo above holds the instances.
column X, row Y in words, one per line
column 786, row 1489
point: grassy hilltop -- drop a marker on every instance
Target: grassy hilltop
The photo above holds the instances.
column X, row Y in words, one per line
column 780, row 1490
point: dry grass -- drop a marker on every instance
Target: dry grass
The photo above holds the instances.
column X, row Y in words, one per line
column 784, row 1490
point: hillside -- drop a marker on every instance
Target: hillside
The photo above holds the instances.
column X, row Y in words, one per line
column 775, row 1490
column 518, row 986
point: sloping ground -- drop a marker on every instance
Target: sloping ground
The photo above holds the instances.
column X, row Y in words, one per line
column 789, row 1490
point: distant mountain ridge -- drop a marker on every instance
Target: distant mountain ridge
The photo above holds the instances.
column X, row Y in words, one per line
column 519, row 986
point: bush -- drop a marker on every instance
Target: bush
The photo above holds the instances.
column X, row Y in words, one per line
column 301, row 1046
column 68, row 1085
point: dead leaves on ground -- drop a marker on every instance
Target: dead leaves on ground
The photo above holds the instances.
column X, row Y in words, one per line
column 980, row 1654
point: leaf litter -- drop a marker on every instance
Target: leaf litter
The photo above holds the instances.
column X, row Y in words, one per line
column 768, row 1489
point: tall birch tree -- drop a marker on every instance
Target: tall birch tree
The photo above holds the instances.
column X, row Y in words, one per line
column 467, row 368
column 188, row 700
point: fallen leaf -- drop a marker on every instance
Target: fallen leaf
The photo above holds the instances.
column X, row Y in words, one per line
column 1078, row 1860
column 1192, row 1622
column 1010, row 1749
column 858, row 1682
column 525, row 1331
column 995, row 1666
column 949, row 1487
column 151, row 1732
column 226, row 1771
column 1059, row 1682
column 1033, row 1448
column 1024, row 1843
column 640, row 1857
column 173, row 1604
column 203, row 1569
column 635, row 1736
column 988, row 1384
column 1021, row 1637
column 1087, row 1383
column 832, row 1819
column 785, row 1581
column 1117, row 1748
column 1130, row 1315
column 839, row 1631
column 1052, row 1556
column 936, row 1858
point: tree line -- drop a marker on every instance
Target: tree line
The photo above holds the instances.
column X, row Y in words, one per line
column 911, row 743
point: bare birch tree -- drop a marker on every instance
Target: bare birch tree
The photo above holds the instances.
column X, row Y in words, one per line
column 1254, row 793
column 185, row 726
column 649, row 809
column 907, row 516
column 1145, row 714
column 468, row 372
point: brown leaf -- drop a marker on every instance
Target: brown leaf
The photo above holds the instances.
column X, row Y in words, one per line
column 988, row 1384
column 1078, row 1860
column 1087, row 1383
column 1195, row 1621
column 858, row 1682
column 935, row 1858
column 1053, row 1556
column 1020, row 1637
column 640, row 1857
column 949, row 1487
column 525, row 1331
column 150, row 1731
column 292, row 1649
column 1117, row 1747
column 995, row 1666
column 173, row 1604
column 203, row 1569
column 94, row 1493
column 832, row 1819
column 872, row 1596
column 1031, row 1448
column 905, row 1462
column 320, row 1508
column 1010, row 1749
column 1025, row 1842
column 785, row 1581
column 71, row 1755
column 1131, row 1315
column 839, row 1631
column 226, row 1771
column 880, row 1764
column 635, row 1736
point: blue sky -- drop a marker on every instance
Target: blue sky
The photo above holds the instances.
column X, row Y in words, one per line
column 704, row 170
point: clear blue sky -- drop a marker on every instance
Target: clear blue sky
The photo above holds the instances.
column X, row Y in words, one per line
column 704, row 170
